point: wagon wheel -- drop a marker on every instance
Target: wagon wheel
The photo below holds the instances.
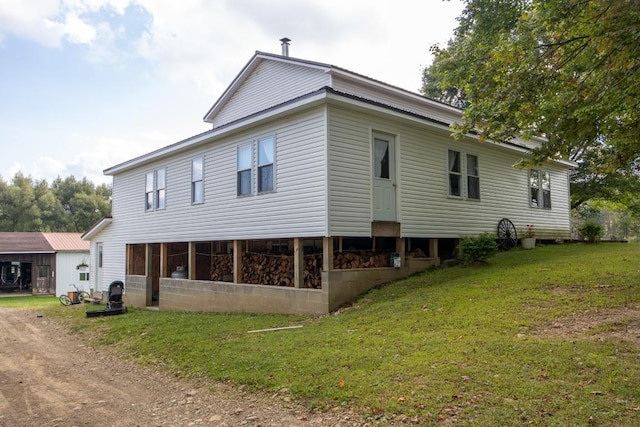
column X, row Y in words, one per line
column 507, row 234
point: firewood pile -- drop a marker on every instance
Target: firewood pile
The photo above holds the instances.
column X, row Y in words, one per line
column 265, row 269
column 360, row 259
column 221, row 265
column 313, row 271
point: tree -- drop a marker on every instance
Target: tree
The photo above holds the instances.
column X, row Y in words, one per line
column 68, row 205
column 568, row 70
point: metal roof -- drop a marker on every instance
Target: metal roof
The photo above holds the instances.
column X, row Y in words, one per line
column 65, row 242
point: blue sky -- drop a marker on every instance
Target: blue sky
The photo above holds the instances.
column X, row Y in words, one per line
column 87, row 84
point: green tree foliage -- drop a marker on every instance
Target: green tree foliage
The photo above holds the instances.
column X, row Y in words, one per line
column 67, row 205
column 568, row 70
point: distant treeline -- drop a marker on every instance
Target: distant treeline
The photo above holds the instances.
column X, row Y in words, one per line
column 65, row 205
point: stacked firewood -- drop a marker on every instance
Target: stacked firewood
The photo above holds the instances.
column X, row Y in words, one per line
column 364, row 259
column 267, row 269
column 313, row 271
column 221, row 265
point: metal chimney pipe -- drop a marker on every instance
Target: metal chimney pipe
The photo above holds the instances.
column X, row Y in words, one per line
column 285, row 46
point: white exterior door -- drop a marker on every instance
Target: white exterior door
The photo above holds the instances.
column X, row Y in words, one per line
column 384, row 177
column 99, row 286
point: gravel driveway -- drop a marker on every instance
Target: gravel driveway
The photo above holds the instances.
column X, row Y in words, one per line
column 49, row 379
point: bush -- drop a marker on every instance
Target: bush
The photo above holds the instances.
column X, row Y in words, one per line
column 591, row 231
column 477, row 249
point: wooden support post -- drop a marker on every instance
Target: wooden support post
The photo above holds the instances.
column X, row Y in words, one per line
column 192, row 261
column 433, row 248
column 237, row 261
column 340, row 244
column 327, row 253
column 129, row 255
column 164, row 260
column 147, row 259
column 298, row 263
column 373, row 243
column 400, row 249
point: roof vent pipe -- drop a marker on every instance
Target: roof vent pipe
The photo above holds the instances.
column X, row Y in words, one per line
column 285, row 46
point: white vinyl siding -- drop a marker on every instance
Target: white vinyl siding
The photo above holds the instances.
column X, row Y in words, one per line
column 270, row 84
column 296, row 209
column 67, row 272
column 425, row 207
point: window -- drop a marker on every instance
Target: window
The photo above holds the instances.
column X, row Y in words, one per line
column 197, row 183
column 244, row 169
column 256, row 164
column 381, row 148
column 265, row 164
column 149, row 191
column 539, row 189
column 464, row 175
column 160, row 189
column 455, row 174
column 84, row 276
column 473, row 179
column 155, row 189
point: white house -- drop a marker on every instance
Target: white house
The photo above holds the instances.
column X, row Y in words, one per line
column 313, row 181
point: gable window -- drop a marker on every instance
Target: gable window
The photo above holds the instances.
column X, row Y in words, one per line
column 161, row 181
column 244, row 169
column 197, row 182
column 464, row 175
column 149, row 191
column 539, row 189
column 265, row 164
column 256, row 166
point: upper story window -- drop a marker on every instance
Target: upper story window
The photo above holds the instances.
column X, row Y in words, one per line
column 539, row 189
column 463, row 170
column 473, row 177
column 197, row 180
column 244, row 169
column 149, row 191
column 155, row 189
column 265, row 164
column 256, row 163
column 455, row 174
column 161, row 192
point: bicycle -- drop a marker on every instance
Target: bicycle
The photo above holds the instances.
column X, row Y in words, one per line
column 80, row 297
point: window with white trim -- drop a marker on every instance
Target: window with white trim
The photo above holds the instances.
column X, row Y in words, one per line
column 265, row 164
column 244, row 169
column 149, row 191
column 155, row 184
column 256, row 164
column 539, row 189
column 161, row 192
column 463, row 175
column 455, row 174
column 197, row 180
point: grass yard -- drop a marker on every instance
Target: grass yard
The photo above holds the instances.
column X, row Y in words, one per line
column 543, row 337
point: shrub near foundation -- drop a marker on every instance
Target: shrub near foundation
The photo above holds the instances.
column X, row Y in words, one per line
column 477, row 249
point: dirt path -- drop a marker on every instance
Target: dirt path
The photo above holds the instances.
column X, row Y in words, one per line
column 49, row 379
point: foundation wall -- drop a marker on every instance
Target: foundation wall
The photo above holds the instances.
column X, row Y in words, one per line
column 338, row 287
column 200, row 295
column 343, row 286
column 137, row 291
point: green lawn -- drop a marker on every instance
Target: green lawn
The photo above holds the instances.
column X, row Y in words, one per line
column 490, row 345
